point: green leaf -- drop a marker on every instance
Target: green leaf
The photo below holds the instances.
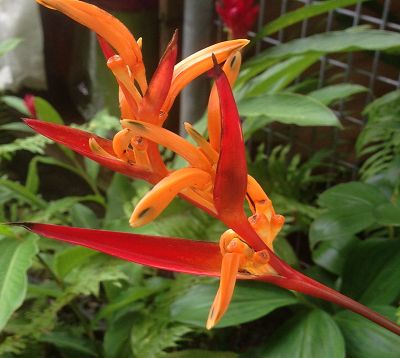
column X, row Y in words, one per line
column 331, row 255
column 117, row 337
column 200, row 353
column 71, row 258
column 334, row 41
column 71, row 345
column 388, row 214
column 32, row 179
column 16, row 103
column 276, row 77
column 352, row 196
column 250, row 301
column 59, row 206
column 16, row 127
column 330, row 94
column 33, row 144
column 307, row 335
column 46, row 112
column 120, row 191
column 23, row 194
column 151, row 337
column 286, row 108
column 125, row 299
column 366, row 339
column 371, row 272
column 8, row 45
column 16, row 258
column 301, row 14
column 82, row 216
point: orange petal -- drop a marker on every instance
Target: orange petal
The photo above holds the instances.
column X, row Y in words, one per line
column 258, row 199
column 229, row 270
column 104, row 24
column 118, row 67
column 169, row 140
column 211, row 154
column 197, row 64
column 231, row 69
column 158, row 198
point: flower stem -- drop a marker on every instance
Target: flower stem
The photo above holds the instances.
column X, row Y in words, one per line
column 303, row 284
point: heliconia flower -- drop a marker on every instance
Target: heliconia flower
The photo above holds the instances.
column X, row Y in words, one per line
column 246, row 252
column 138, row 99
column 215, row 180
column 238, row 16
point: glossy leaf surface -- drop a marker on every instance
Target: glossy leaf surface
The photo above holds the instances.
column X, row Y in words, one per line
column 309, row 334
column 249, row 302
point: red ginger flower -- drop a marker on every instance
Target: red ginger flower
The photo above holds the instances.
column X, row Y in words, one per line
column 238, row 16
column 216, row 181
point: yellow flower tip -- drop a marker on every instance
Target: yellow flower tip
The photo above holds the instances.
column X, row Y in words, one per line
column 97, row 149
column 140, row 218
column 45, row 4
column 140, row 42
column 115, row 63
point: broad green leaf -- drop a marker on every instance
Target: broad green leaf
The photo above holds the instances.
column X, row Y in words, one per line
column 82, row 216
column 331, row 255
column 286, row 108
column 71, row 258
column 46, row 112
column 8, row 45
column 352, row 196
column 276, row 77
column 60, row 206
column 250, row 301
column 309, row 334
column 329, row 94
column 126, row 298
column 117, row 337
column 248, row 72
column 119, row 193
column 339, row 226
column 371, row 272
column 70, row 345
column 301, row 14
column 200, row 353
column 366, row 339
column 334, row 41
column 16, row 103
column 388, row 214
column 15, row 258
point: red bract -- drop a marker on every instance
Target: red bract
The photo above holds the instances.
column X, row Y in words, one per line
column 187, row 256
column 238, row 16
column 29, row 100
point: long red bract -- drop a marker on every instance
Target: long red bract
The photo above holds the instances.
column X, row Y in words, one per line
column 180, row 255
column 231, row 175
column 78, row 141
column 160, row 83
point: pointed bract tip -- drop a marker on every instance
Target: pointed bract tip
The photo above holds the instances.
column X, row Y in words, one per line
column 217, row 68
